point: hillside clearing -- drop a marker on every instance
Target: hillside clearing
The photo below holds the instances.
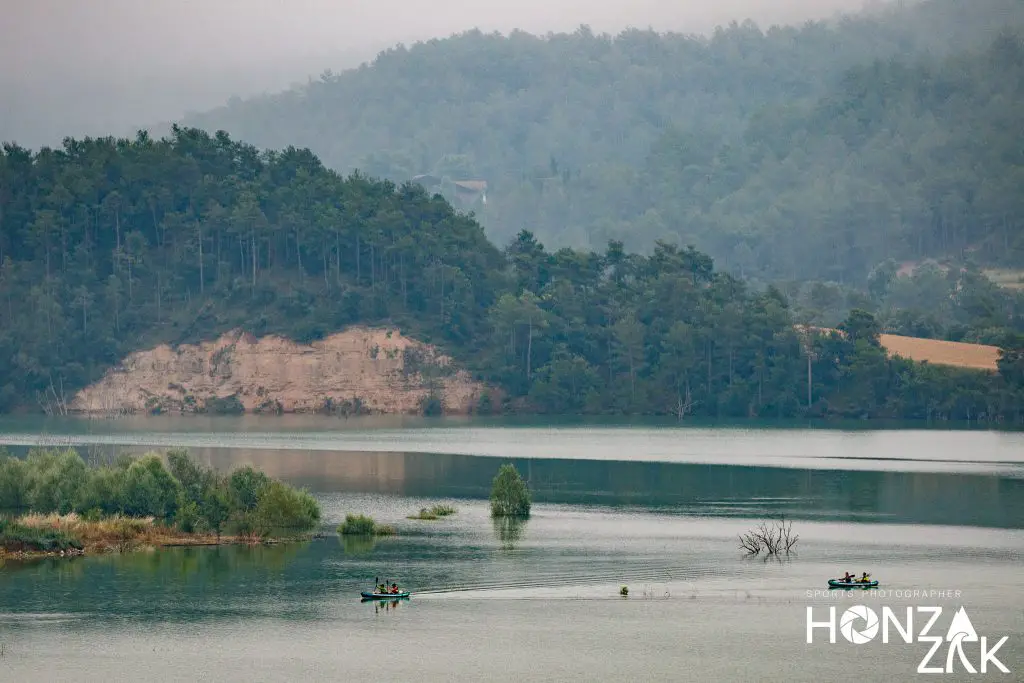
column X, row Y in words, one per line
column 1010, row 279
column 940, row 352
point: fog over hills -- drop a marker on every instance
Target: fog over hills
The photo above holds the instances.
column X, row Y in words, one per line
column 108, row 68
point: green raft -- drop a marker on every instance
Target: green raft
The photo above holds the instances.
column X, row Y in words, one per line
column 836, row 583
column 384, row 596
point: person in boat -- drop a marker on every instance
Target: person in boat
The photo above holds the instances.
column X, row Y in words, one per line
column 394, row 588
column 865, row 578
column 847, row 577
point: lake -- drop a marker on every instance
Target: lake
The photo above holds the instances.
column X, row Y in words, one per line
column 936, row 515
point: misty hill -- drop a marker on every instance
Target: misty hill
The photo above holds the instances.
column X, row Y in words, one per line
column 584, row 138
column 901, row 160
column 109, row 246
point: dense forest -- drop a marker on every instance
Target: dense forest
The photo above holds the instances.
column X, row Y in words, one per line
column 792, row 153
column 112, row 245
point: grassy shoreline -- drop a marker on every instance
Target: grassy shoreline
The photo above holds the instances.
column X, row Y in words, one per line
column 71, row 535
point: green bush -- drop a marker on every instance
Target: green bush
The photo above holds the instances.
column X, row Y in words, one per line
column 15, row 537
column 432, row 405
column 282, row 508
column 444, row 510
column 188, row 518
column 246, row 486
column 357, row 525
column 13, row 484
column 228, row 405
column 149, row 489
column 509, row 495
column 103, row 490
column 362, row 525
column 435, row 512
column 54, row 479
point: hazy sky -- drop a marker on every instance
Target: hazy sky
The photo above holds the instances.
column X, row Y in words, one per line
column 74, row 67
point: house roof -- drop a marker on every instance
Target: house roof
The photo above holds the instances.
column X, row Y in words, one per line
column 474, row 185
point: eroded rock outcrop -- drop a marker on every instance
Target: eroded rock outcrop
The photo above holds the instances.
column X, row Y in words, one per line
column 358, row 370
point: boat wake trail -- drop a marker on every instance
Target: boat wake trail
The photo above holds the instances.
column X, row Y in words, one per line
column 611, row 574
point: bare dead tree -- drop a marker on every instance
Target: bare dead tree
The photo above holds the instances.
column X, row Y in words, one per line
column 774, row 538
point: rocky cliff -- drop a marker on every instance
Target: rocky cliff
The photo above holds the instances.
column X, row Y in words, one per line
column 360, row 370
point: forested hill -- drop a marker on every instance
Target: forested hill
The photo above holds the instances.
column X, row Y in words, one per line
column 110, row 246
column 582, row 138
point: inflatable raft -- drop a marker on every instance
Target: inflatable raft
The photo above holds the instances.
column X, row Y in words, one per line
column 384, row 596
column 836, row 583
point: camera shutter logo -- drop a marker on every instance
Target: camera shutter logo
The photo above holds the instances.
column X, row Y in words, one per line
column 850, row 621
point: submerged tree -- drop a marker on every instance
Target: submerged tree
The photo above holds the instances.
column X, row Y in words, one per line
column 509, row 494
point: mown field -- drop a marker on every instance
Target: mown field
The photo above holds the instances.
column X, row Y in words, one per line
column 1010, row 279
column 939, row 352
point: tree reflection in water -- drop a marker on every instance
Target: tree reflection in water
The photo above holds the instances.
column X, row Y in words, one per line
column 509, row 530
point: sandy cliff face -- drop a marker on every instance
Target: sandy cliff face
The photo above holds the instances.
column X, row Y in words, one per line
column 375, row 370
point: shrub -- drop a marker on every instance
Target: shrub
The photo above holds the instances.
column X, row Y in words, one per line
column 188, row 518
column 246, row 486
column 363, row 525
column 228, row 405
column 53, row 480
column 104, row 490
column 434, row 513
column 444, row 510
column 15, row 537
column 509, row 495
column 13, row 484
column 215, row 506
column 149, row 489
column 282, row 508
column 357, row 525
column 432, row 405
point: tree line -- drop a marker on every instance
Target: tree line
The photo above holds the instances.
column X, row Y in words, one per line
column 183, row 493
column 108, row 246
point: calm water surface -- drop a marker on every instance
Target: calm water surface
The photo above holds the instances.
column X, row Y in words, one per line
column 654, row 508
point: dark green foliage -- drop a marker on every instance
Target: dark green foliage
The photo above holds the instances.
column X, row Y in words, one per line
column 432, row 405
column 283, row 509
column 149, row 489
column 247, row 486
column 53, row 480
column 509, row 494
column 14, row 490
column 17, row 537
column 228, row 405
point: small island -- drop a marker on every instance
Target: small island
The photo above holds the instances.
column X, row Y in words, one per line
column 55, row 504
